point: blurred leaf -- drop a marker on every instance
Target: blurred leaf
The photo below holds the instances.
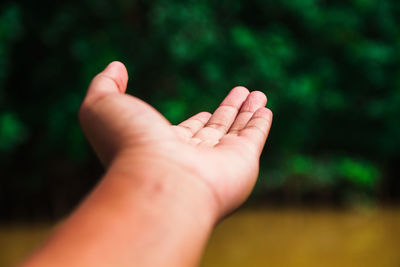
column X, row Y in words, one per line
column 12, row 131
column 361, row 173
column 174, row 110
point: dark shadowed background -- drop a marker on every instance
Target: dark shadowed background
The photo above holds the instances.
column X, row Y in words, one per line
column 330, row 69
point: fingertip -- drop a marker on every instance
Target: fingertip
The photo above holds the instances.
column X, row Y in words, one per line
column 254, row 100
column 257, row 130
column 205, row 114
column 260, row 96
column 239, row 92
column 236, row 96
column 270, row 113
column 113, row 79
column 118, row 72
column 263, row 112
column 115, row 64
column 240, row 89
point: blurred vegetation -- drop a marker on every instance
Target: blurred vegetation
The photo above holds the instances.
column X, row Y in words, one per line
column 330, row 70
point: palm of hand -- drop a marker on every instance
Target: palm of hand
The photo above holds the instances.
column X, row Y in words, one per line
column 222, row 149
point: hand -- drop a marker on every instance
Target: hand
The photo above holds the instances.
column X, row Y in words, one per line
column 220, row 151
column 165, row 186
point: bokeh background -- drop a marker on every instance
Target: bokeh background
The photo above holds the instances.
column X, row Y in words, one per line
column 330, row 69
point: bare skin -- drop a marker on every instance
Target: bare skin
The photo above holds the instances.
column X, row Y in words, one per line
column 165, row 186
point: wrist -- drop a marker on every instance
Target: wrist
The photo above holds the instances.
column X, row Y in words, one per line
column 170, row 203
column 159, row 179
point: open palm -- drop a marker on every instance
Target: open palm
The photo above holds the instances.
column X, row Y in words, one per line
column 221, row 150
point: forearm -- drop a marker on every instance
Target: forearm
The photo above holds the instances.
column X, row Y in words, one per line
column 136, row 216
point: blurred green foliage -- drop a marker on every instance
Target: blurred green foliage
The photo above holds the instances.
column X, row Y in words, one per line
column 11, row 131
column 330, row 70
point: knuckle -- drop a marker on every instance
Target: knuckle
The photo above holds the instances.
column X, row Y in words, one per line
column 217, row 126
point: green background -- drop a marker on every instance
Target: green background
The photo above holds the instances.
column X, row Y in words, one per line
column 330, row 70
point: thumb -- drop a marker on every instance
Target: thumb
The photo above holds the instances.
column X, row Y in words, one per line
column 113, row 79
